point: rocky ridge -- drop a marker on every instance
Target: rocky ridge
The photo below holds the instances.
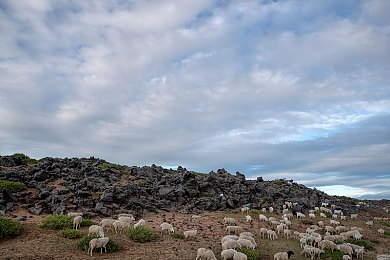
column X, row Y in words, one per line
column 96, row 187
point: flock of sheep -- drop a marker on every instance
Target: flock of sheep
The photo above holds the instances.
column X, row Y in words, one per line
column 312, row 243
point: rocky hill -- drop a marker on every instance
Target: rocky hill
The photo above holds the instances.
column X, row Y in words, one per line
column 96, row 187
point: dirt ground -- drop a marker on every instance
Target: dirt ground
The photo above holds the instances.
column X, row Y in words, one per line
column 37, row 243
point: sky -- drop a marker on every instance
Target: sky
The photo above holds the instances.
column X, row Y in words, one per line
column 278, row 89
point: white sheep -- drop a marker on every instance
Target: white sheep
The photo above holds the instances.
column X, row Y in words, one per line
column 231, row 244
column 233, row 229
column 168, row 227
column 246, row 243
column 271, row 209
column 381, row 231
column 264, row 210
column 77, row 221
column 320, row 223
column 370, row 223
column 247, row 234
column 312, row 215
column 190, row 233
column 119, row 225
column 340, row 228
column 272, row 235
column 230, row 221
column 283, row 255
column 250, row 238
column 346, row 257
column 245, row 209
column 359, row 252
column 263, row 233
column 300, row 215
column 74, row 214
column 328, row 244
column 98, row 242
column 248, row 219
column 96, row 230
column 239, row 256
column 287, row 233
column 346, row 249
column 334, row 222
column 140, row 223
column 228, row 237
column 205, row 254
column 126, row 219
column 263, row 218
column 228, row 254
column 322, row 215
column 107, row 223
column 353, row 216
column 126, row 215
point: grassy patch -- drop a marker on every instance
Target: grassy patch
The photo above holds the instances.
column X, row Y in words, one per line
column 375, row 241
column 140, row 234
column 57, row 222
column 255, row 211
column 264, row 198
column 251, row 254
column 335, row 255
column 387, row 233
column 199, row 173
column 384, row 223
column 9, row 228
column 26, row 158
column 70, row 233
column 86, row 223
column 104, row 166
column 361, row 242
column 12, row 186
column 178, row 235
column 83, row 244
column 277, row 182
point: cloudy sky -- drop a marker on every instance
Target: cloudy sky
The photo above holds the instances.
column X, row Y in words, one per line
column 296, row 89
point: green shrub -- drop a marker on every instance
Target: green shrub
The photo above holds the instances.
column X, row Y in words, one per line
column 387, row 233
column 12, row 186
column 83, row 244
column 178, row 235
column 86, row 223
column 251, row 254
column 376, row 241
column 361, row 242
column 384, row 223
column 9, row 228
column 140, row 234
column 70, row 233
column 335, row 255
column 199, row 173
column 255, row 211
column 104, row 166
column 26, row 158
column 57, row 222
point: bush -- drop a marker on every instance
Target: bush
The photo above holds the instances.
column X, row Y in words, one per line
column 140, row 234
column 26, row 158
column 361, row 242
column 178, row 235
column 251, row 254
column 57, row 222
column 83, row 244
column 86, row 223
column 9, row 228
column 12, row 186
column 104, row 166
column 70, row 233
column 255, row 211
column 335, row 255
column 376, row 241
column 387, row 233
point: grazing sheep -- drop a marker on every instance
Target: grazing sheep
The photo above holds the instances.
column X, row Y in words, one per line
column 343, row 217
column 346, row 257
column 77, row 221
column 300, row 215
column 280, row 228
column 287, row 233
column 320, row 223
column 248, row 219
column 247, row 234
column 329, row 229
column 98, row 242
column 250, row 238
column 359, row 252
column 340, row 228
column 353, row 216
column 126, row 219
column 96, row 230
column 322, row 215
column 239, row 256
column 263, row 218
column 328, row 244
column 233, row 229
column 231, row 221
column 107, row 223
column 323, row 204
column 245, row 209
column 264, row 210
column 334, row 222
column 205, row 254
column 271, row 209
column 283, row 255
column 74, row 214
column 317, row 252
column 271, row 219
column 272, row 235
column 263, row 232
column 119, row 225
column 228, row 237
column 370, row 223
column 190, row 234
column 228, row 254
column 246, row 243
column 168, row 227
column 312, row 215
column 346, row 249
column 231, row 244
column 140, row 223
column 381, row 231
column 335, row 216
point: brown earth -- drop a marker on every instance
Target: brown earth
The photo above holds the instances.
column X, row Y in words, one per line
column 37, row 243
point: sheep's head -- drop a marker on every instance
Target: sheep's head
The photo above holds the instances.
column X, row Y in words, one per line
column 290, row 253
column 172, row 231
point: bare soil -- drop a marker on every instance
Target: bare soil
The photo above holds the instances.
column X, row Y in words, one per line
column 37, row 243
